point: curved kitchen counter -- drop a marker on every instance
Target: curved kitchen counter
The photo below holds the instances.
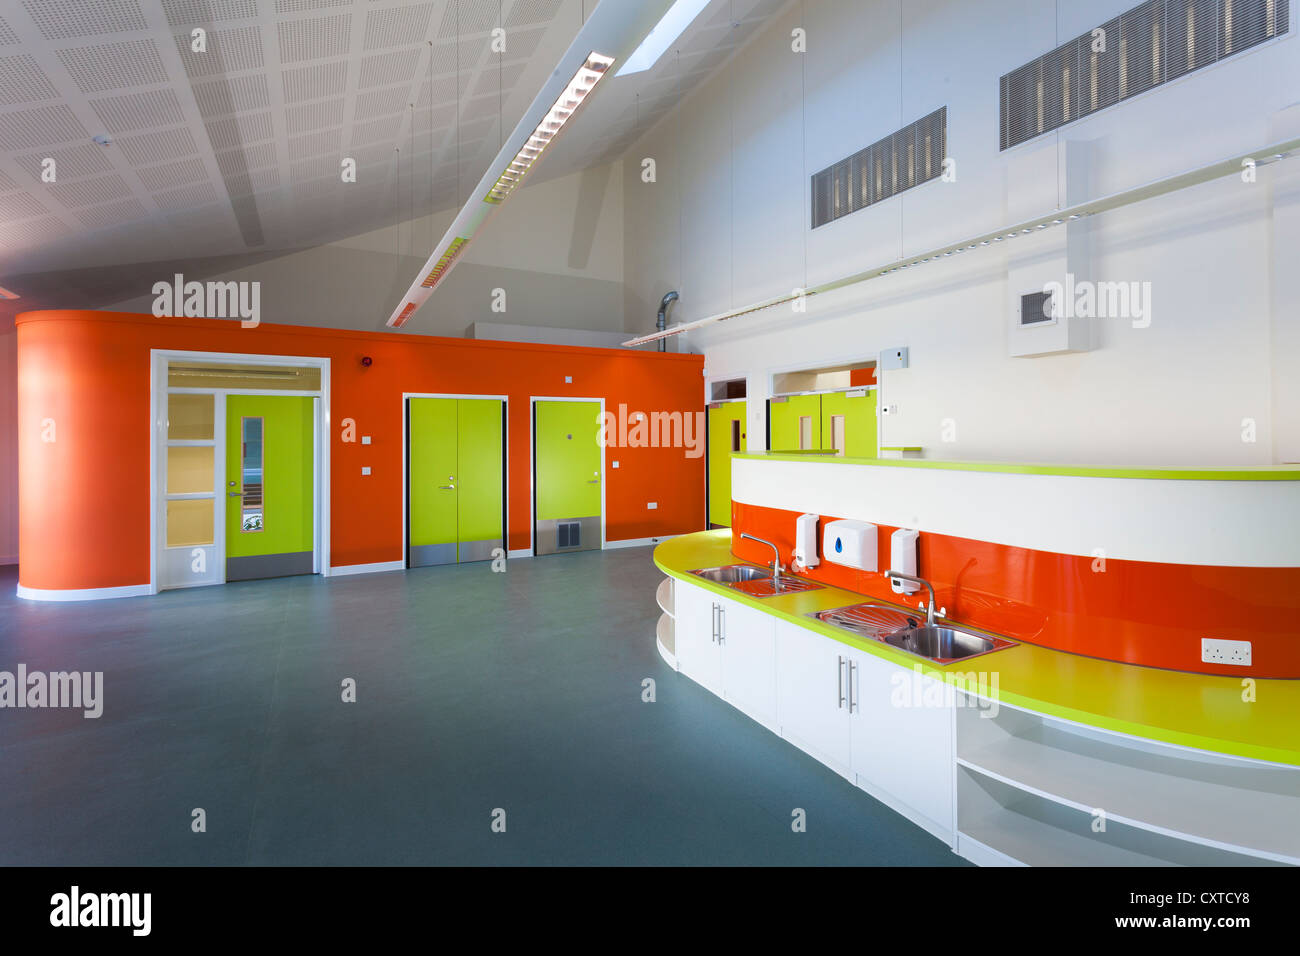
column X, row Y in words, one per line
column 1205, row 712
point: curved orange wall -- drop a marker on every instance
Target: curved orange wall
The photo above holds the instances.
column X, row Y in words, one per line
column 84, row 517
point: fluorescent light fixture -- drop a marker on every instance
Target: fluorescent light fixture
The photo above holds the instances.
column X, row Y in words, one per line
column 583, row 82
column 665, row 34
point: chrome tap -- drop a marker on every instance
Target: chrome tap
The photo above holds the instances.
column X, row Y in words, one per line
column 776, row 559
column 929, row 613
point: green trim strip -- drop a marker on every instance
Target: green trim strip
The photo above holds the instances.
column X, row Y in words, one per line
column 1220, row 473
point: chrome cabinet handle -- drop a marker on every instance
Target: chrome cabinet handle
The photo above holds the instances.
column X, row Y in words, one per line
column 713, row 638
column 722, row 624
column 853, row 697
column 839, row 681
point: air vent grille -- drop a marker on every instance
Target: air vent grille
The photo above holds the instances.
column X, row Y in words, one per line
column 904, row 159
column 1150, row 44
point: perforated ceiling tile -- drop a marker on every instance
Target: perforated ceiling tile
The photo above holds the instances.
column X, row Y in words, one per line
column 70, row 162
column 315, row 168
column 439, row 118
column 301, row 6
column 111, row 214
column 20, row 206
column 232, row 162
column 232, row 94
column 315, row 82
column 23, row 81
column 494, row 79
column 132, row 111
column 521, row 44
column 314, row 38
column 7, row 35
column 443, row 59
column 481, row 107
column 528, row 12
column 383, row 102
column 314, row 144
column 147, row 148
column 257, row 181
column 467, row 17
column 170, row 175
column 398, row 26
column 61, row 19
column 443, row 89
column 385, row 69
column 186, row 197
column 89, row 191
column 312, row 116
column 208, row 11
column 248, row 219
column 6, row 182
column 239, row 130
column 46, row 126
column 29, row 232
column 376, row 131
column 113, row 66
column 228, row 51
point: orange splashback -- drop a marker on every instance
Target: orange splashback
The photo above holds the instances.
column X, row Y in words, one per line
column 1137, row 612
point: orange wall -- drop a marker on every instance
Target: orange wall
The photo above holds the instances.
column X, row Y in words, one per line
column 84, row 498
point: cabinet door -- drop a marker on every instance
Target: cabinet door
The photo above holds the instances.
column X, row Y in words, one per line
column 902, row 738
column 811, row 693
column 749, row 661
column 695, row 620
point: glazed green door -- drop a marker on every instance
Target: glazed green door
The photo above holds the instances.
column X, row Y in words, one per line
column 270, row 507
column 795, row 423
column 567, row 476
column 455, row 484
column 726, row 436
column 849, row 423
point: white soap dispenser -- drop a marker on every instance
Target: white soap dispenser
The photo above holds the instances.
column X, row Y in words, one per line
column 902, row 558
column 805, row 541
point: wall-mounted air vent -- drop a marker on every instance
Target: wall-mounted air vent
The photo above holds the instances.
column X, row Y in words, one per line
column 904, row 159
column 1036, row 308
column 570, row 534
column 1151, row 44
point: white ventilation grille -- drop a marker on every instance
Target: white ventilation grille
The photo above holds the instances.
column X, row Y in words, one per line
column 67, row 19
column 902, row 160
column 1142, row 48
column 133, row 111
column 113, row 66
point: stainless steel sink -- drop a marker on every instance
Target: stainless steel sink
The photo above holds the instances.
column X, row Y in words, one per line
column 940, row 644
column 754, row 581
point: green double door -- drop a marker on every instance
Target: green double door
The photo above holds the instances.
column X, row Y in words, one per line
column 839, row 422
column 456, row 486
column 270, row 486
column 567, row 476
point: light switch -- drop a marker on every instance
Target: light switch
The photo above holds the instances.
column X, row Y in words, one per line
column 365, row 469
column 651, row 505
column 615, row 464
column 568, row 380
column 365, row 439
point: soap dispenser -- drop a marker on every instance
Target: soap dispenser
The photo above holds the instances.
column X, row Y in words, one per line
column 902, row 558
column 805, row 541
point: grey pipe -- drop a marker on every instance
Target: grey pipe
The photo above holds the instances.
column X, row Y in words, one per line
column 661, row 320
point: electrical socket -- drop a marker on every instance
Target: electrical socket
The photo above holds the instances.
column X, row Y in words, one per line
column 1218, row 651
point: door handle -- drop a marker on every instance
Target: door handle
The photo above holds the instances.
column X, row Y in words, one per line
column 236, row 494
column 839, row 681
column 594, row 481
column 446, row 487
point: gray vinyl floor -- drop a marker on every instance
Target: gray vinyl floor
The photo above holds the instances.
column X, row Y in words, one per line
column 475, row 691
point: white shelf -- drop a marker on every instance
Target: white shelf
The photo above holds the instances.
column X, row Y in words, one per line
column 665, row 637
column 1228, row 805
column 664, row 596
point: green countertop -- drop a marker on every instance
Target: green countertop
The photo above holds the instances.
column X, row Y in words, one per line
column 1192, row 710
column 1214, row 473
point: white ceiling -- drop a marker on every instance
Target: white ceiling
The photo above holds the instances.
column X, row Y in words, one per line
column 237, row 150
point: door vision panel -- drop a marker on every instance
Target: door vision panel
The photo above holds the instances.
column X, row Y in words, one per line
column 455, row 491
column 567, row 476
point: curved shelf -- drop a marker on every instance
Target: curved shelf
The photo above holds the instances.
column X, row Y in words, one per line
column 665, row 639
column 664, row 596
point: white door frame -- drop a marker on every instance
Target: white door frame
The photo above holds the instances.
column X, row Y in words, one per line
column 158, row 390
column 532, row 464
column 505, row 452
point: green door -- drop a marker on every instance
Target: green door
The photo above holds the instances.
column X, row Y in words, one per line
column 269, row 486
column 726, row 435
column 795, row 423
column 567, row 476
column 455, row 484
column 849, row 423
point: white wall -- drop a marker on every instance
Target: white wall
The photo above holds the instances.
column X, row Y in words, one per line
column 556, row 249
column 727, row 225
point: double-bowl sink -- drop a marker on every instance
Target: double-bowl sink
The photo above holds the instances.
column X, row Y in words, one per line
column 940, row 643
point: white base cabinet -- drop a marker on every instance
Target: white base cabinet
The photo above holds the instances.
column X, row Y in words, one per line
column 812, row 697
column 728, row 648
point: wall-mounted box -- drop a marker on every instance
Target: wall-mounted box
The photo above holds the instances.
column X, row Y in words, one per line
column 851, row 544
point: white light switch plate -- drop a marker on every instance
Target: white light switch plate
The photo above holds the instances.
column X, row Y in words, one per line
column 1216, row 651
column 365, row 439
column 651, row 505
column 365, row 469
